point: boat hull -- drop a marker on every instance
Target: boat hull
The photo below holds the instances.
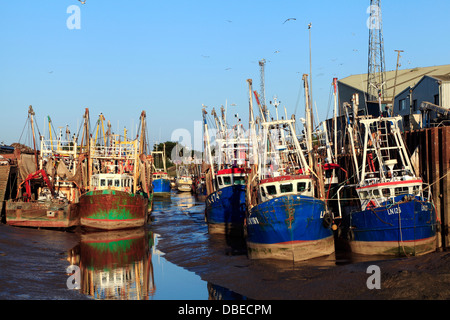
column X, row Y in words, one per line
column 406, row 228
column 184, row 187
column 225, row 211
column 289, row 228
column 39, row 214
column 161, row 187
column 113, row 210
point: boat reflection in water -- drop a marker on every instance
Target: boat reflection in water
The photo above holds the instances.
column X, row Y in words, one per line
column 217, row 292
column 116, row 265
column 126, row 265
column 184, row 200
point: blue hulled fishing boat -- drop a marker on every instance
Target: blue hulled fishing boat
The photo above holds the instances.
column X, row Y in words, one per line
column 160, row 181
column 287, row 215
column 393, row 216
column 161, row 184
column 225, row 179
column 225, row 208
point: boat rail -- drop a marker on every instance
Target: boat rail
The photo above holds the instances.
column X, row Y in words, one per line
column 61, row 147
column 121, row 151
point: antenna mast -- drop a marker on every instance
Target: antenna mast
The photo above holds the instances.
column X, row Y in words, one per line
column 376, row 86
column 262, row 64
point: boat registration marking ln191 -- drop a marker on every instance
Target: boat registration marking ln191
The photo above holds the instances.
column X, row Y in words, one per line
column 252, row 221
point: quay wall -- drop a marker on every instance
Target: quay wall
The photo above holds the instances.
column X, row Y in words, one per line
column 430, row 151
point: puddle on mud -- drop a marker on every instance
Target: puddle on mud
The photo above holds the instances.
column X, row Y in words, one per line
column 127, row 264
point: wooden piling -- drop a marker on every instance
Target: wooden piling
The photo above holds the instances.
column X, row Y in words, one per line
column 434, row 158
column 445, row 181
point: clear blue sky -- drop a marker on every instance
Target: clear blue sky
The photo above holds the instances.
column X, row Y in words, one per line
column 170, row 57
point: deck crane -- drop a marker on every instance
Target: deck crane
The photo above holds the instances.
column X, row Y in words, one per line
column 31, row 176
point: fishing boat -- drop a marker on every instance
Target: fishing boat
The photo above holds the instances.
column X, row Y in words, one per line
column 49, row 187
column 393, row 216
column 225, row 180
column 287, row 216
column 119, row 194
column 184, row 180
column 161, row 181
column 161, row 184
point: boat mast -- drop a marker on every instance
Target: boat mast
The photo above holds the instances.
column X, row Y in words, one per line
column 308, row 115
column 220, row 140
column 31, row 114
column 224, row 126
column 142, row 137
column 252, row 125
column 206, row 143
column 335, row 119
column 164, row 157
column 100, row 120
column 142, row 151
column 87, row 147
column 350, row 133
column 50, row 132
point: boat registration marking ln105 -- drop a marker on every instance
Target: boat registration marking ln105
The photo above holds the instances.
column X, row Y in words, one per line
column 395, row 210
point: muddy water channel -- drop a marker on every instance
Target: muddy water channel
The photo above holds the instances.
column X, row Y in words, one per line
column 175, row 258
column 114, row 265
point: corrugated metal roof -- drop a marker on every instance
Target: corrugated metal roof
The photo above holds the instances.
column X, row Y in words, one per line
column 405, row 78
column 444, row 78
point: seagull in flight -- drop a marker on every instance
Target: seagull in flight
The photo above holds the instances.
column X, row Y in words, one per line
column 288, row 20
column 82, row 2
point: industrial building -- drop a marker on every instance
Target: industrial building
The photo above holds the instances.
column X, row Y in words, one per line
column 412, row 88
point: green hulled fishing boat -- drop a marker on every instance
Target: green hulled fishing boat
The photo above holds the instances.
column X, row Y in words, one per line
column 120, row 193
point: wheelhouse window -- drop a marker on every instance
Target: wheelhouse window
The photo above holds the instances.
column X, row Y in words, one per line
column 220, row 181
column 271, row 190
column 110, row 182
column 328, row 173
column 286, row 188
column 401, row 190
column 303, row 186
column 227, row 181
column 116, row 183
column 102, row 183
column 263, row 193
column 364, row 195
column 239, row 180
column 387, row 193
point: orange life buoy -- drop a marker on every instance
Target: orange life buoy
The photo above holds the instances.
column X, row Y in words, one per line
column 371, row 204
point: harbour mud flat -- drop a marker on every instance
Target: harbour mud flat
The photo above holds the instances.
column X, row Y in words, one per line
column 223, row 261
column 33, row 264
